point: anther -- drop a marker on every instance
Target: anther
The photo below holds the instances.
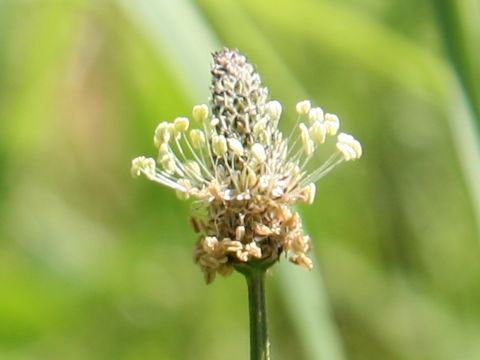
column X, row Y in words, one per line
column 200, row 112
column 332, row 122
column 303, row 107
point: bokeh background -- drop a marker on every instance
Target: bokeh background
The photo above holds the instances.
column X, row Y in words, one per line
column 96, row 265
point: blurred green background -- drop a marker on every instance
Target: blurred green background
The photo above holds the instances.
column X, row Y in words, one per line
column 95, row 265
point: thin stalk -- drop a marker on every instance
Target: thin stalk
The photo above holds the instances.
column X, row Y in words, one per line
column 458, row 37
column 259, row 344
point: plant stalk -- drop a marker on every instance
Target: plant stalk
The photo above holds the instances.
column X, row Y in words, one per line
column 259, row 344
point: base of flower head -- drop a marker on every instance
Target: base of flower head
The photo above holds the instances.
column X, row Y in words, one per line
column 253, row 232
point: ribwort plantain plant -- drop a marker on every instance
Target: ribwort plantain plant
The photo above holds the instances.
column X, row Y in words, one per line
column 246, row 176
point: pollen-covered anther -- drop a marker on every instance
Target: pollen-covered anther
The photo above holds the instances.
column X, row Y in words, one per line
column 259, row 127
column 197, row 137
column 302, row 260
column 242, row 256
column 209, row 244
column 168, row 163
column 277, row 192
column 300, row 245
column 231, row 246
column 285, row 213
column 193, row 168
column 162, row 134
column 214, row 122
column 315, row 114
column 174, row 134
column 258, row 151
column 236, row 146
column 274, row 109
column 143, row 165
column 293, row 168
column 239, row 233
column 303, row 107
column 250, row 179
column 261, row 229
column 181, row 124
column 219, row 145
column 308, row 145
column 307, row 194
column 264, row 182
column 200, row 112
column 183, row 195
column 349, row 147
column 318, row 132
column 332, row 123
column 214, row 191
column 253, row 250
column 163, row 149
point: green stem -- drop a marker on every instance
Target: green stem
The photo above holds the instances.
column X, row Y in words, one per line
column 458, row 35
column 259, row 344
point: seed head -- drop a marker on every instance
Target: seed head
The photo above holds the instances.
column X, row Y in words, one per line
column 245, row 175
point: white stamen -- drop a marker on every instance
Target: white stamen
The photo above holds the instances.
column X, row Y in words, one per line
column 181, row 124
column 308, row 145
column 311, row 189
column 274, row 109
column 349, row 147
column 219, row 145
column 332, row 122
column 318, row 132
column 198, row 138
column 259, row 126
column 183, row 195
column 162, row 134
column 303, row 107
column 236, row 146
column 258, row 151
column 315, row 114
column 143, row 165
column 200, row 112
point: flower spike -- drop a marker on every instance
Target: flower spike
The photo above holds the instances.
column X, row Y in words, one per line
column 245, row 174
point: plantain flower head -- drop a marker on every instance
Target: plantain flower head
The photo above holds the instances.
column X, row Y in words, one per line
column 244, row 173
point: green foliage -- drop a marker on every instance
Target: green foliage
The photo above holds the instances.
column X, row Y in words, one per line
column 95, row 265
